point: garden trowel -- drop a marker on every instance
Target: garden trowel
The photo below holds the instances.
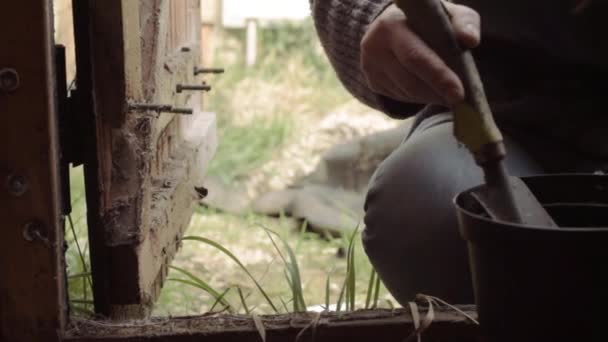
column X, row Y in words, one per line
column 504, row 198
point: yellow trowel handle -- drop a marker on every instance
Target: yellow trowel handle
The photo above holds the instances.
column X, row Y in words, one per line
column 473, row 122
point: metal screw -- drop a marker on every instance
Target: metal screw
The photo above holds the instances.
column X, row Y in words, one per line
column 198, row 71
column 203, row 87
column 144, row 107
column 9, row 80
column 16, row 185
column 186, row 111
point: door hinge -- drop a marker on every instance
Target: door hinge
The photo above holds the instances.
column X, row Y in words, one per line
column 70, row 125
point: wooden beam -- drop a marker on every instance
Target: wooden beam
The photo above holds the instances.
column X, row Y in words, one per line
column 116, row 58
column 109, row 74
column 32, row 286
column 376, row 325
column 141, row 169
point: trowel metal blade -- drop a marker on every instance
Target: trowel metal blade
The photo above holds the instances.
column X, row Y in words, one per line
column 532, row 212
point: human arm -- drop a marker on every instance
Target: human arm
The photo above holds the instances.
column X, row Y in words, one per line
column 381, row 61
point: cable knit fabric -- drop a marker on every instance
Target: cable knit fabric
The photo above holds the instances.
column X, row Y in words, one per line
column 341, row 25
column 543, row 64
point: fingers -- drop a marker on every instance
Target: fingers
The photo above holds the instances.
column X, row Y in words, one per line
column 466, row 23
column 386, row 75
column 399, row 64
column 380, row 83
column 409, row 86
column 403, row 86
column 418, row 58
column 389, row 88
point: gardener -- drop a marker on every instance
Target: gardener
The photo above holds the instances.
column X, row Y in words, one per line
column 543, row 63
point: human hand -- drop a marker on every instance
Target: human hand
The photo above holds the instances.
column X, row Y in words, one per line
column 399, row 64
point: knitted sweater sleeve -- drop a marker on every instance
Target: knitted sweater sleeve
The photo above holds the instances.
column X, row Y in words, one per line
column 341, row 25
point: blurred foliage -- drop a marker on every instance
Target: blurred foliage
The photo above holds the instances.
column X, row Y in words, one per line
column 258, row 107
column 284, row 40
column 80, row 292
column 244, row 148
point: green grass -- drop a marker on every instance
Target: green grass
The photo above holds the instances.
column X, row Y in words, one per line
column 77, row 255
column 244, row 148
column 292, row 270
column 293, row 264
column 252, row 263
column 320, row 276
column 260, row 108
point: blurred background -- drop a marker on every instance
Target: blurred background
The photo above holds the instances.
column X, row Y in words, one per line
column 294, row 157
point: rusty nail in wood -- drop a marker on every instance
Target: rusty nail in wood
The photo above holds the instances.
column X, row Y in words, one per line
column 198, row 71
column 187, row 111
column 203, row 87
column 16, row 185
column 143, row 107
column 9, row 80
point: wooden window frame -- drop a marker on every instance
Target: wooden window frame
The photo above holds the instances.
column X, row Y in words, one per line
column 33, row 298
column 142, row 168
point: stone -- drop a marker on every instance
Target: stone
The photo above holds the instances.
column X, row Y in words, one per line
column 275, row 202
column 328, row 210
column 227, row 198
column 350, row 165
column 330, row 199
column 325, row 209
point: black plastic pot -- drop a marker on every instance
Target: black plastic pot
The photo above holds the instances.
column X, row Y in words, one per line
column 537, row 283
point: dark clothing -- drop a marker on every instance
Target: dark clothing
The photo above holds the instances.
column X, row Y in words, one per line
column 411, row 234
column 543, row 68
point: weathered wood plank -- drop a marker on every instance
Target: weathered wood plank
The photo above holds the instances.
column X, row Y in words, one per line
column 102, row 95
column 173, row 194
column 143, row 167
column 116, row 57
column 32, row 286
column 379, row 325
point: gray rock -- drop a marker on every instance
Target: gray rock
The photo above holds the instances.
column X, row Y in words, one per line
column 227, row 198
column 328, row 210
column 275, row 203
column 325, row 209
column 331, row 198
column 350, row 165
